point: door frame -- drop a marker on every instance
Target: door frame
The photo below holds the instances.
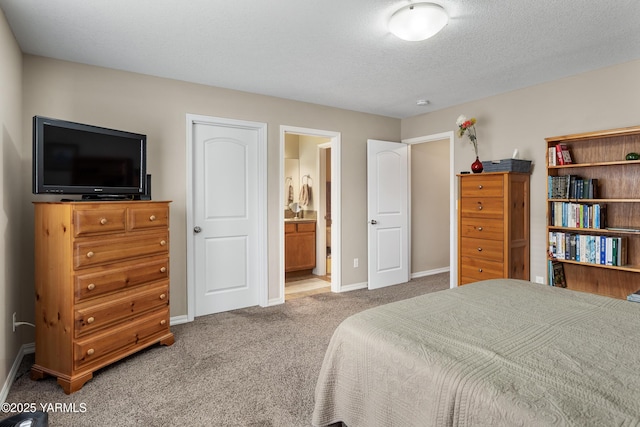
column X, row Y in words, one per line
column 336, row 249
column 453, row 199
column 261, row 268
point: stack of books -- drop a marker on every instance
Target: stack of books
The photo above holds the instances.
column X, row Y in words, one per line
column 635, row 297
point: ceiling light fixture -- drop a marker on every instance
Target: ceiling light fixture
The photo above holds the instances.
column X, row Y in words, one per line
column 418, row 21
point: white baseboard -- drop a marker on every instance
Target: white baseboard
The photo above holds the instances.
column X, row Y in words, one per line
column 275, row 301
column 178, row 320
column 354, row 286
column 25, row 349
column 430, row 272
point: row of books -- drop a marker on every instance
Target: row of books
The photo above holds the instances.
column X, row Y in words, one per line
column 572, row 187
column 578, row 215
column 591, row 249
column 559, row 155
column 635, row 297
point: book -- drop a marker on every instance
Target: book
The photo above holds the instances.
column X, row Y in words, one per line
column 563, row 155
column 552, row 156
column 559, row 279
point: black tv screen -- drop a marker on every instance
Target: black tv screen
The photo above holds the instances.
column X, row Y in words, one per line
column 75, row 158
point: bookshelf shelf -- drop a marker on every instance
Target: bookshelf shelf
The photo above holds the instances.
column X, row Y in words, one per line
column 599, row 157
column 627, row 267
column 587, row 165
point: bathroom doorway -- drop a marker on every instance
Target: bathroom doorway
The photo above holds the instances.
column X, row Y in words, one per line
column 310, row 221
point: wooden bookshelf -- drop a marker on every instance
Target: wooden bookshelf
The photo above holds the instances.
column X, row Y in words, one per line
column 601, row 155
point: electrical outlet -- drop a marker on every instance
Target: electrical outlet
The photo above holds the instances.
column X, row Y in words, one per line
column 539, row 279
column 14, row 322
column 355, row 263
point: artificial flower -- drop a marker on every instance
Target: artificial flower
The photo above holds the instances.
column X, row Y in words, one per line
column 468, row 126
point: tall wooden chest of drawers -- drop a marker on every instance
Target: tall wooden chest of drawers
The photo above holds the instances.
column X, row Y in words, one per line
column 493, row 226
column 102, row 285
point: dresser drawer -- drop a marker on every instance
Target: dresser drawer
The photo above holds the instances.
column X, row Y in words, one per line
column 482, row 228
column 102, row 280
column 92, row 221
column 116, row 341
column 482, row 186
column 481, row 248
column 88, row 253
column 289, row 228
column 482, row 207
column 149, row 216
column 306, row 227
column 93, row 317
column 476, row 269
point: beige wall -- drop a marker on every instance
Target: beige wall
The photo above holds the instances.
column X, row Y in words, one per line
column 429, row 206
column 16, row 291
column 157, row 107
column 602, row 99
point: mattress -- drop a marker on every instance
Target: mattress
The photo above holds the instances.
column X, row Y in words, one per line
column 494, row 353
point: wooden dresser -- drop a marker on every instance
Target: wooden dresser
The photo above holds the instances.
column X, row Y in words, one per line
column 493, row 226
column 102, row 285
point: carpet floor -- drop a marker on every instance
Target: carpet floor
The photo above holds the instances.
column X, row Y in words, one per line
column 248, row 367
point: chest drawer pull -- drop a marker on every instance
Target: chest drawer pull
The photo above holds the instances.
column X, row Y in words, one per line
column 91, row 286
column 90, row 320
column 163, row 269
column 103, row 221
column 163, row 322
column 152, row 218
column 479, row 228
column 480, row 270
column 479, row 187
column 480, row 207
column 479, row 249
column 90, row 254
column 163, row 296
column 90, row 352
column 163, row 242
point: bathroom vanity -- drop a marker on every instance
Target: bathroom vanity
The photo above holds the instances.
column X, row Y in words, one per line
column 299, row 245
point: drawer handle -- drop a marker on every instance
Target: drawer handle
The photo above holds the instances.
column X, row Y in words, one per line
column 479, row 228
column 163, row 269
column 152, row 218
column 480, row 270
column 479, row 187
column 103, row 221
column 90, row 254
column 90, row 352
column 480, row 207
column 479, row 249
column 90, row 320
column 163, row 242
column 91, row 286
column 163, row 322
column 163, row 296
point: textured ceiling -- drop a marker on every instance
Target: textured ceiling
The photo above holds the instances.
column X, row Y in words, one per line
column 335, row 52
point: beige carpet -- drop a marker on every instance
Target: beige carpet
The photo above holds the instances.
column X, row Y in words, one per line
column 248, row 367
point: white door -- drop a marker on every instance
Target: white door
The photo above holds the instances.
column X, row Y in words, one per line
column 226, row 215
column 387, row 209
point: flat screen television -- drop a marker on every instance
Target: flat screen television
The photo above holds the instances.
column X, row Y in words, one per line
column 86, row 160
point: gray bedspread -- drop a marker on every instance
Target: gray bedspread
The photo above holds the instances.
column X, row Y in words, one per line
column 494, row 353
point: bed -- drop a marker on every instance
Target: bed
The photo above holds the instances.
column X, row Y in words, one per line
column 494, row 353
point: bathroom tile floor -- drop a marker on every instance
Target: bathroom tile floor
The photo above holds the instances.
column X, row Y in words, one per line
column 305, row 286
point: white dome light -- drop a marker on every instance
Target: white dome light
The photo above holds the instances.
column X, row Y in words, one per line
column 418, row 21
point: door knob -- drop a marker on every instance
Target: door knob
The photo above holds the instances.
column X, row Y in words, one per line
column 197, row 229
column 373, row 222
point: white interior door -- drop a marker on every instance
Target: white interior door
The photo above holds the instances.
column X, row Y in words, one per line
column 388, row 212
column 226, row 216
